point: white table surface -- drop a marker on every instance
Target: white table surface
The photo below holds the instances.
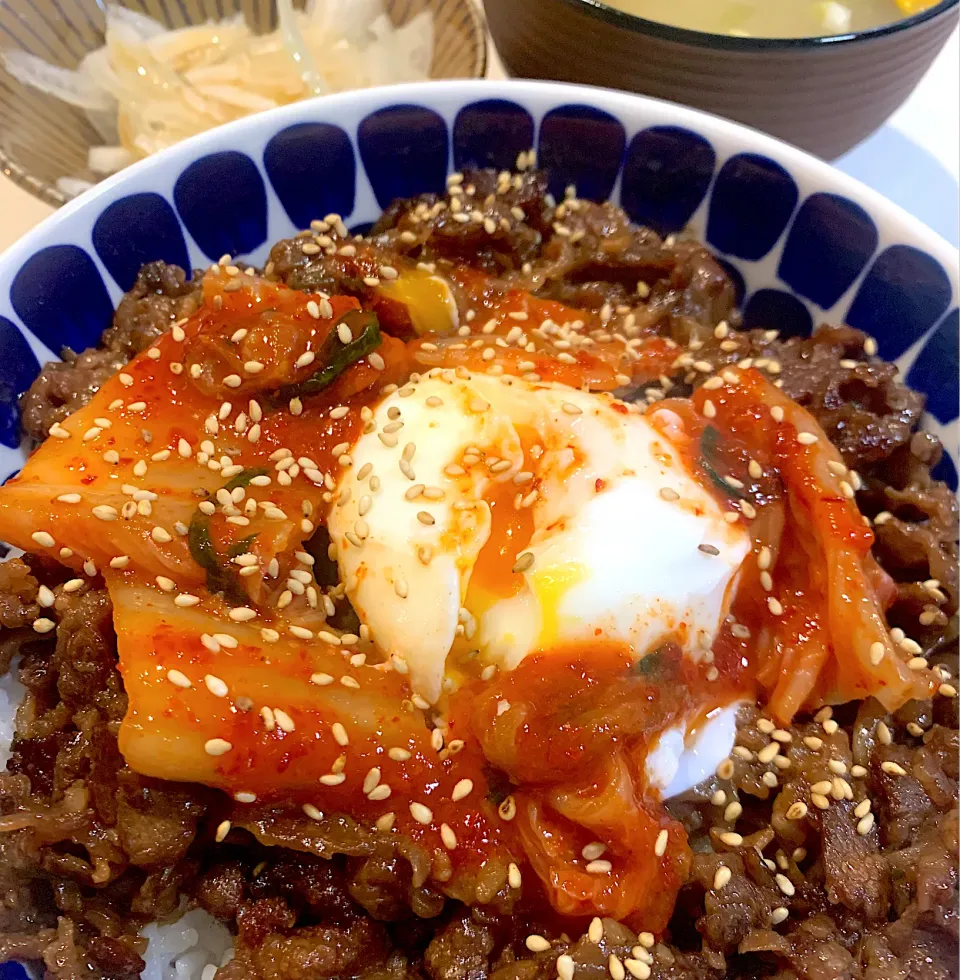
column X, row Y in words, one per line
column 914, row 159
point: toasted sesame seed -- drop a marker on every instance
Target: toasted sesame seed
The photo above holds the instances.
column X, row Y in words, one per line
column 599, row 867
column 785, row 885
column 797, row 811
column 462, row 790
column 865, row 824
column 774, row 605
column 422, row 814
column 565, row 966
column 284, row 721
column 524, row 562
column 217, row 746
column 45, row 538
column 768, row 752
column 448, row 837
column 722, row 877
column 507, row 809
column 637, row 969
column 333, row 778
column 593, row 851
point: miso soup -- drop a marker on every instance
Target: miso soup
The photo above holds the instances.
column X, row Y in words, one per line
column 773, row 18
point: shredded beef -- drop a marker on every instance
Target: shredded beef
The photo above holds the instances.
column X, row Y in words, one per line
column 90, row 851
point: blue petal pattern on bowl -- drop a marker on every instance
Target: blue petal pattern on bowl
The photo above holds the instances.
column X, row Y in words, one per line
column 829, row 245
column 903, row 295
column 491, row 134
column 753, row 199
column 797, row 257
column 935, row 369
column 313, row 170
column 582, row 147
column 60, row 296
column 665, row 177
column 19, row 368
column 135, row 230
column 404, row 149
column 223, row 203
column 773, row 309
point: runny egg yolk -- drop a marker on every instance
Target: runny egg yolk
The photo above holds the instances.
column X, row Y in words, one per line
column 508, row 517
column 550, row 586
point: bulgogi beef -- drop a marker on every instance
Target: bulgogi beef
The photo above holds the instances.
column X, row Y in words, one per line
column 835, row 857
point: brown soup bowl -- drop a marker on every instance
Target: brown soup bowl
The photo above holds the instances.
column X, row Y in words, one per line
column 824, row 94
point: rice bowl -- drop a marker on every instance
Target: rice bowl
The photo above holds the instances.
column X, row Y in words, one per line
column 541, row 368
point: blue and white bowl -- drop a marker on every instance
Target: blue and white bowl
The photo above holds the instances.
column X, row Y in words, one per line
column 803, row 242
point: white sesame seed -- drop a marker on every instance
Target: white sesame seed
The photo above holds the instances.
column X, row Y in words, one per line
column 637, row 969
column 785, row 885
column 565, row 967
column 43, row 625
column 524, row 562
column 45, row 538
column 462, row 790
column 599, row 867
column 178, row 678
column 660, row 847
column 217, row 746
column 422, row 814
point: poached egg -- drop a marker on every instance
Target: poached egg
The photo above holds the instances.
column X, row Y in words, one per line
column 504, row 517
column 520, row 516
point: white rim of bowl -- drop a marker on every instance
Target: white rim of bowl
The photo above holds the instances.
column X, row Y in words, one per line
column 454, row 93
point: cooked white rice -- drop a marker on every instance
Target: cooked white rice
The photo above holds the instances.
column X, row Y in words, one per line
column 189, row 949
column 11, row 694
